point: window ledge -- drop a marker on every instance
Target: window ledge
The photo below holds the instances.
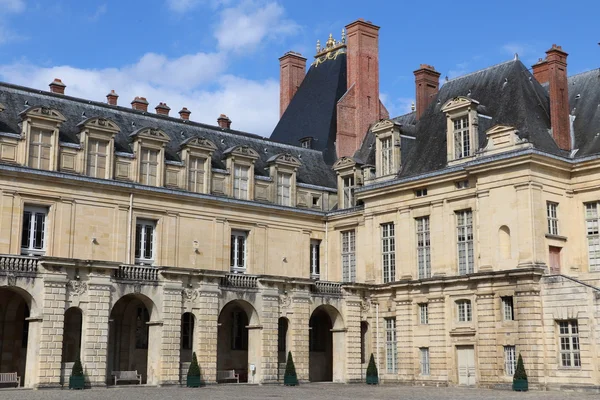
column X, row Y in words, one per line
column 556, row 237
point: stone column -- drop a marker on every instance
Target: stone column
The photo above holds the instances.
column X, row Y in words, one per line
column 95, row 329
column 353, row 338
column 207, row 315
column 270, row 318
column 486, row 336
column 439, row 358
column 404, row 339
column 299, row 331
column 171, row 335
column 530, row 319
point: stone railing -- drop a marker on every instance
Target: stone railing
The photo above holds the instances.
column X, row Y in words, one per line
column 18, row 264
column 328, row 288
column 136, row 273
column 239, row 281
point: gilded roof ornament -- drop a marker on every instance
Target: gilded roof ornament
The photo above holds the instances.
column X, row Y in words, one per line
column 412, row 106
column 331, row 50
column 343, row 36
column 318, row 46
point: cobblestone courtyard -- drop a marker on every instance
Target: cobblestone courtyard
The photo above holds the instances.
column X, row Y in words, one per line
column 304, row 392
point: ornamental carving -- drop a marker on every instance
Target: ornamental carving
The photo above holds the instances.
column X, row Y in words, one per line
column 285, row 300
column 199, row 142
column 190, row 294
column 137, row 288
column 76, row 288
column 11, row 279
column 365, row 305
column 44, row 112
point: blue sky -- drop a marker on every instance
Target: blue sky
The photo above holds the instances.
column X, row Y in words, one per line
column 220, row 56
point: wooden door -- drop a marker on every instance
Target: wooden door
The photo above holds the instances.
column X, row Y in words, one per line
column 554, row 259
column 466, row 365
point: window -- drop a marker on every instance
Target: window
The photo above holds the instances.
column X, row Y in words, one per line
column 239, row 335
column 240, row 182
column 462, row 184
column 387, row 160
column 238, row 251
column 510, row 360
column 349, row 191
column 464, row 225
column 142, row 328
column 388, row 250
column 33, row 237
column 568, row 333
column 306, row 143
column 284, row 188
column 464, row 310
column 423, row 314
column 421, row 192
column 144, row 241
column 391, row 350
column 196, row 174
column 315, row 248
column 424, row 360
column 593, row 235
column 316, row 201
column 462, row 139
column 187, row 331
column 149, row 167
column 423, row 247
column 552, row 218
column 507, row 308
column 40, row 149
column 97, row 156
column 348, row 256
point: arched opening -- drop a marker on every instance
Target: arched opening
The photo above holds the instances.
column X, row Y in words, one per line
column 365, row 342
column 504, row 245
column 71, row 345
column 186, row 346
column 326, row 345
column 282, row 344
column 14, row 333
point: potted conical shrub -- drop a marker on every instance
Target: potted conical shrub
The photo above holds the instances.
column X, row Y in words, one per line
column 193, row 375
column 520, row 383
column 77, row 378
column 372, row 375
column 290, row 378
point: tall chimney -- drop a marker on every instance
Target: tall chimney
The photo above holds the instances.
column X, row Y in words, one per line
column 360, row 106
column 57, row 86
column 162, row 109
column 224, row 121
column 184, row 113
column 140, row 104
column 292, row 69
column 112, row 98
column 559, row 96
column 540, row 71
column 427, row 81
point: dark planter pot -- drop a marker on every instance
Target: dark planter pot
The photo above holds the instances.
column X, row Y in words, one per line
column 77, row 382
column 290, row 381
column 520, row 385
column 372, row 380
column 193, row 381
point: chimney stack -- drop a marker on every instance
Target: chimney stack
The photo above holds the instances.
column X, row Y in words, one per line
column 140, row 104
column 427, row 82
column 292, row 69
column 112, row 98
column 540, row 71
column 224, row 121
column 57, row 86
column 162, row 109
column 184, row 113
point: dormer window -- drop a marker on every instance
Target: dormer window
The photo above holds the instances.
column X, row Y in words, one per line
column 196, row 153
column 462, row 138
column 149, row 167
column 240, row 182
column 421, row 192
column 462, row 135
column 40, row 149
column 149, row 147
column 349, row 191
column 349, row 178
column 96, row 136
column 306, row 143
column 284, row 188
column 387, row 161
column 97, row 158
column 387, row 148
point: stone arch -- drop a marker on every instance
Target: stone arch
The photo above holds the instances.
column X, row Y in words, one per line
column 326, row 345
column 504, row 243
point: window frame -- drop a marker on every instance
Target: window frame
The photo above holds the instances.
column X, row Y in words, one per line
column 34, row 211
column 38, row 143
column 464, row 311
column 387, row 155
column 146, row 165
column 349, row 185
column 423, row 239
column 284, row 189
column 592, row 226
column 348, row 253
column 94, row 155
column 465, row 241
column 391, row 345
column 462, row 136
column 510, row 360
column 238, row 237
column 388, row 252
column 423, row 314
column 315, row 259
column 508, row 308
column 570, row 338
column 239, row 181
column 424, row 361
column 141, row 242
column 552, row 217
column 196, row 181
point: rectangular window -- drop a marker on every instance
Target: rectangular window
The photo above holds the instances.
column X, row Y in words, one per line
column 423, row 314
column 464, row 227
column 464, row 311
column 593, row 235
column 423, row 247
column 391, row 349
column 510, row 360
column 462, row 139
column 284, row 189
column 421, row 192
column 96, row 159
column 424, row 360
column 33, row 236
column 349, row 191
column 149, row 167
column 462, row 184
column 144, row 241
column 40, row 149
column 237, row 256
column 315, row 248
column 348, row 256
column 388, row 250
column 507, row 308
column 552, row 215
column 196, row 174
column 568, row 333
column 240, row 182
column 387, row 160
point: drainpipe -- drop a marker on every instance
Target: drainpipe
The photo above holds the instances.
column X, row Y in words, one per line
column 129, row 228
column 326, row 250
column 377, row 329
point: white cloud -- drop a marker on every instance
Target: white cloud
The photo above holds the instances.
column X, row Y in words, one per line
column 11, row 6
column 396, row 106
column 181, row 6
column 100, row 11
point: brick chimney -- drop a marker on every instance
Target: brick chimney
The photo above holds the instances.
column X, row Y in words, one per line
column 292, row 69
column 112, row 98
column 427, row 82
column 224, row 121
column 184, row 113
column 140, row 104
column 57, row 86
column 360, row 106
column 162, row 109
column 540, row 71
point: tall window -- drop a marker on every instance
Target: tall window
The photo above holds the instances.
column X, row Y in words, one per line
column 510, row 360
column 349, row 191
column 144, row 241
column 315, row 268
column 593, row 235
column 240, row 182
column 348, row 256
column 552, row 215
column 391, row 349
column 187, row 331
column 237, row 258
column 462, row 139
column 142, row 328
column 507, row 308
column 40, row 149
column 424, row 353
column 423, row 314
column 423, row 248
column 33, row 237
column 568, row 333
column 464, row 311
column 284, row 189
column 464, row 227
column 149, row 167
column 388, row 250
column 196, row 174
column 239, row 335
column 387, row 160
column 96, row 159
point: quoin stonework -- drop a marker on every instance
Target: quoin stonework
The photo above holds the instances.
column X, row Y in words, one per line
column 446, row 241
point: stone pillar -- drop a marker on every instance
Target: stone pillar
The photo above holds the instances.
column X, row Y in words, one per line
column 207, row 315
column 353, row 337
column 439, row 358
column 404, row 339
column 95, row 329
column 486, row 336
column 270, row 318
column 484, row 233
column 299, row 333
column 171, row 335
column 530, row 319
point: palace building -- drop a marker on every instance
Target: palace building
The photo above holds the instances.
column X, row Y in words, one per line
column 446, row 241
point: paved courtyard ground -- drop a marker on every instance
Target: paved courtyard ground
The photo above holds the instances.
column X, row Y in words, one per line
column 304, row 392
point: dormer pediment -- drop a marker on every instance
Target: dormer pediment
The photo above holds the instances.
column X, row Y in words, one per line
column 44, row 113
column 99, row 124
column 459, row 103
column 151, row 134
column 199, row 143
column 285, row 159
column 345, row 163
column 241, row 151
column 502, row 138
column 385, row 125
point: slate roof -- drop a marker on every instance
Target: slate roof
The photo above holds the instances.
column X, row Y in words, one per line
column 313, row 171
column 584, row 104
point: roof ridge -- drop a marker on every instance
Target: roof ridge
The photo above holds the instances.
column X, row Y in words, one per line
column 481, row 70
column 403, row 115
column 585, row 72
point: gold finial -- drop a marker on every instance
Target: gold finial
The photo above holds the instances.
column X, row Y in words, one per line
column 343, row 36
column 318, row 45
column 412, row 106
column 330, row 41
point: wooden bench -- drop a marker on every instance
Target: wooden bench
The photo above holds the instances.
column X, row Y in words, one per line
column 127, row 376
column 228, row 375
column 10, row 377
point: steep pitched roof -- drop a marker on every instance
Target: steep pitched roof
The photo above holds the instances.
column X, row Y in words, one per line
column 584, row 104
